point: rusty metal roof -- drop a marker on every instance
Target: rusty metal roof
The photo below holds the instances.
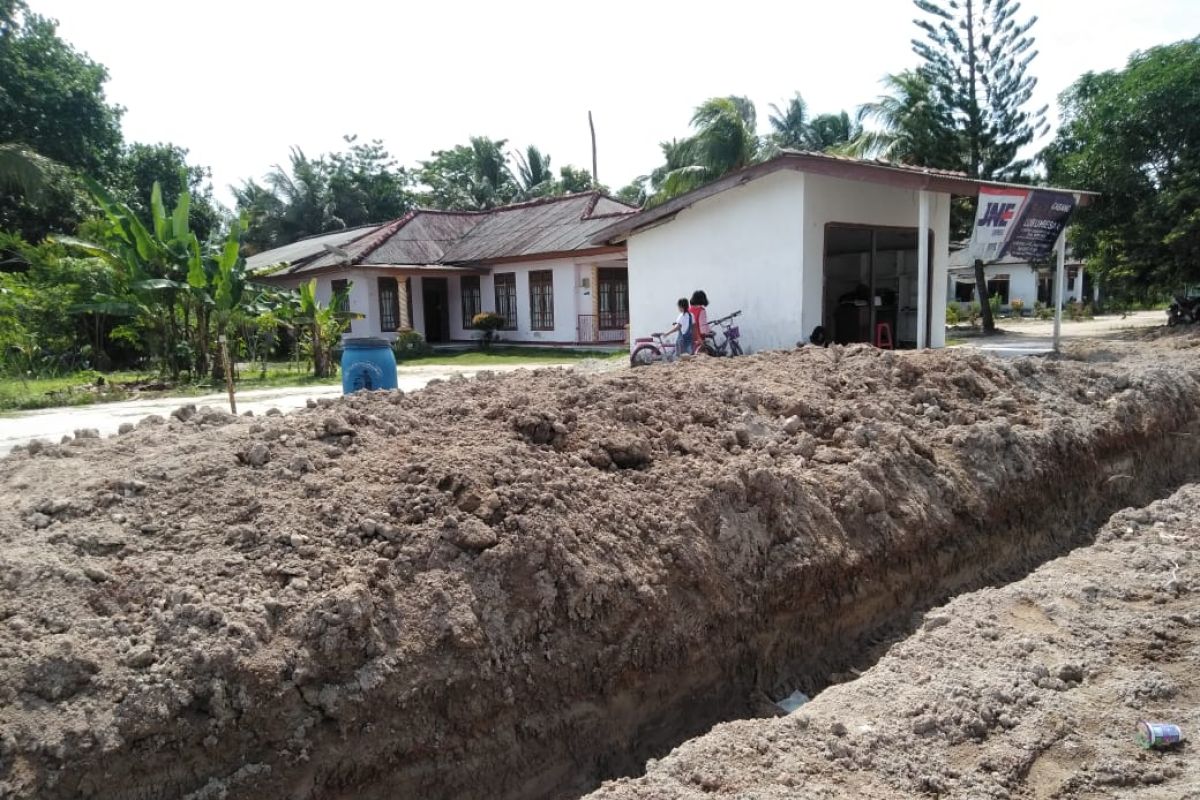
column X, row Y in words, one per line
column 307, row 248
column 541, row 227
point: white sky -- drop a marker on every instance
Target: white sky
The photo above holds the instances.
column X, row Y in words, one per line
column 239, row 82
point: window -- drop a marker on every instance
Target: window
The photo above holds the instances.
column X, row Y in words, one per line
column 506, row 299
column 964, row 291
column 389, row 305
column 472, row 300
column 998, row 287
column 541, row 300
column 341, row 286
column 613, row 296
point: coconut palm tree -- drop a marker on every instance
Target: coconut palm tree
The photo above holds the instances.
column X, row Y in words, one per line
column 23, row 170
column 789, row 125
column 725, row 140
column 533, row 173
column 914, row 125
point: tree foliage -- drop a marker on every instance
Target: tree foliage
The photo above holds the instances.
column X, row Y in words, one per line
column 468, row 177
column 141, row 166
column 792, row 129
column 976, row 55
column 1132, row 135
column 909, row 125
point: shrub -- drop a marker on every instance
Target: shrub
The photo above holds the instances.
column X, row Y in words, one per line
column 1017, row 305
column 994, row 305
column 488, row 322
column 1042, row 311
column 952, row 315
column 410, row 344
column 973, row 312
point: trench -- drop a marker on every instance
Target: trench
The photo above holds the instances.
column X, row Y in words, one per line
column 814, row 640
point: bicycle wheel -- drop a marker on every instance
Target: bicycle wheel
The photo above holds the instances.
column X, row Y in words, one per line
column 735, row 349
column 645, row 355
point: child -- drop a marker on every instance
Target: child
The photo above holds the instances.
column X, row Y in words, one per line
column 683, row 325
column 699, row 313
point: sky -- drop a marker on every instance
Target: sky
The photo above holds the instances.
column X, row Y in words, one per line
column 239, row 82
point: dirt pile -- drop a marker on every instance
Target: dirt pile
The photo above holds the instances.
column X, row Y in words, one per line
column 518, row 585
column 1032, row 690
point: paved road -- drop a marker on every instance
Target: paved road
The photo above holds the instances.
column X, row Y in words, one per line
column 53, row 423
column 1036, row 337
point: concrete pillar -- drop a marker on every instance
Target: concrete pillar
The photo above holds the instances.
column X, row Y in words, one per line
column 1060, row 283
column 922, row 269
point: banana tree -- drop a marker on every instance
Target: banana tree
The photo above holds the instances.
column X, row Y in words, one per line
column 325, row 323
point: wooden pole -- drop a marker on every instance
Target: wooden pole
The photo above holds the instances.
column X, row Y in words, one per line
column 228, row 372
column 1060, row 278
column 595, row 176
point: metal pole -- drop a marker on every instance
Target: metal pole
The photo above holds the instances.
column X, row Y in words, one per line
column 1060, row 280
column 922, row 269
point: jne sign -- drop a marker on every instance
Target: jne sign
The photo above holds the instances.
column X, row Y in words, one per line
column 1024, row 223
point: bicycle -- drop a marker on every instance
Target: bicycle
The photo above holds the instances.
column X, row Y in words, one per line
column 648, row 349
column 728, row 344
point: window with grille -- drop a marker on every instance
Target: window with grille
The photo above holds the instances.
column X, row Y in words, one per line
column 613, row 296
column 341, row 287
column 541, row 300
column 389, row 305
column 506, row 299
column 472, row 300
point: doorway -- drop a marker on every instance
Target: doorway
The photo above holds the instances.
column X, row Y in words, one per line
column 870, row 280
column 435, row 294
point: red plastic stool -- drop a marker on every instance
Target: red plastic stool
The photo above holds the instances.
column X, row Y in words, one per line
column 883, row 336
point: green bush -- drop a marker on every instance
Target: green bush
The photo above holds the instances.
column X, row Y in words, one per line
column 952, row 315
column 1017, row 305
column 1042, row 311
column 974, row 310
column 410, row 344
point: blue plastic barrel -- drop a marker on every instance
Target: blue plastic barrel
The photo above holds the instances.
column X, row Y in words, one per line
column 367, row 364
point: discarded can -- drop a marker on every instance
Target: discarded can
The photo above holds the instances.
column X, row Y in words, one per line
column 1158, row 734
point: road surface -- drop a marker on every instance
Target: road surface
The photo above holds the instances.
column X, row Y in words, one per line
column 54, row 423
column 1036, row 337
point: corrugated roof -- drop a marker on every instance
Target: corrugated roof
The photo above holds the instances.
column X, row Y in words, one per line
column 306, row 248
column 844, row 167
column 429, row 237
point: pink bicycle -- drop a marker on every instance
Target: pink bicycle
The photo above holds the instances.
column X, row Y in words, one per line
column 652, row 348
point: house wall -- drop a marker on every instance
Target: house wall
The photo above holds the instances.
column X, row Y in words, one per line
column 829, row 200
column 742, row 247
column 760, row 248
column 1022, row 282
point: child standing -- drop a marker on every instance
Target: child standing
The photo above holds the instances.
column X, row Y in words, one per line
column 699, row 314
column 683, row 325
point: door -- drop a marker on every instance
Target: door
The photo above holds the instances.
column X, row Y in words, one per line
column 436, row 294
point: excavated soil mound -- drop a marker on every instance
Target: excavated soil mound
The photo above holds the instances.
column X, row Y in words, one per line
column 1032, row 690
column 517, row 586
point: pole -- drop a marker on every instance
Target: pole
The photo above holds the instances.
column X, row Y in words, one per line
column 228, row 372
column 922, row 270
column 595, row 175
column 1060, row 280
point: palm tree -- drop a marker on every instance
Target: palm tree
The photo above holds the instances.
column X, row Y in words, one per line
column 304, row 196
column 533, row 173
column 832, row 131
column 790, row 124
column 915, row 125
column 23, row 170
column 725, row 140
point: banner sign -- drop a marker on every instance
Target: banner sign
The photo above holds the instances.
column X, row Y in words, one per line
column 1023, row 223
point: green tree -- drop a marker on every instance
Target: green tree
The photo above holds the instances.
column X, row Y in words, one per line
column 141, row 166
column 473, row 176
column 832, row 131
column 789, row 125
column 367, row 185
column 1132, row 135
column 52, row 103
column 976, row 55
column 574, row 179
column 725, row 140
column 910, row 124
column 534, row 175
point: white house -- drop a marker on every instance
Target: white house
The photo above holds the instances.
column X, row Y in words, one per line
column 1013, row 279
column 532, row 263
column 799, row 241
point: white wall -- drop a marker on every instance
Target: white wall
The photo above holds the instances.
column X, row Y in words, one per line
column 829, row 200
column 742, row 247
column 566, row 307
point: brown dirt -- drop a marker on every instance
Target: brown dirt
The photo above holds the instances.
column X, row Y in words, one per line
column 1032, row 691
column 518, row 585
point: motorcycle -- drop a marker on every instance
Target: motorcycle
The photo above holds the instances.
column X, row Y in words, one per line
column 1183, row 311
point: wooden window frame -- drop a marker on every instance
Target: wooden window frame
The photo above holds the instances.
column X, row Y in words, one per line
column 541, row 300
column 509, row 281
column 471, row 297
column 613, row 319
column 391, row 309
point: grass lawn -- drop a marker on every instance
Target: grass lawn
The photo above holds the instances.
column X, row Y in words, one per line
column 84, row 388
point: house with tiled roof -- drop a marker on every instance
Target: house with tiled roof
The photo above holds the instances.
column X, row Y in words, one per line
column 431, row 271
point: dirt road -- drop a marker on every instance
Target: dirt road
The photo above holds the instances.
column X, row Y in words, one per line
column 54, row 423
column 1028, row 337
